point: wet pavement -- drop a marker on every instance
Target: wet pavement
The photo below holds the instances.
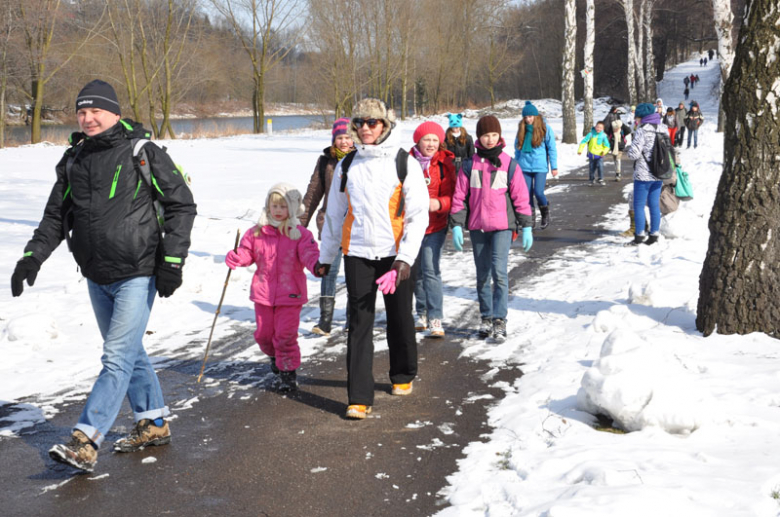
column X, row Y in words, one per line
column 240, row 448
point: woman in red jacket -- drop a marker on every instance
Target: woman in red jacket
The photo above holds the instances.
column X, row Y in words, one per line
column 439, row 171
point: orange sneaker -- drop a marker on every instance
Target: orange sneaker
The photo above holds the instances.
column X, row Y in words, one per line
column 402, row 389
column 358, row 411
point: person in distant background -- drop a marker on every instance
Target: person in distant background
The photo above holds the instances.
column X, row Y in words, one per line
column 693, row 121
column 457, row 140
column 319, row 186
column 680, row 114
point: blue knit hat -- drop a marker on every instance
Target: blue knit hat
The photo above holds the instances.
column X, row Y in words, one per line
column 529, row 110
column 644, row 109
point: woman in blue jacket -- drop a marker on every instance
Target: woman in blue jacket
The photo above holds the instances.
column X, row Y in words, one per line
column 535, row 153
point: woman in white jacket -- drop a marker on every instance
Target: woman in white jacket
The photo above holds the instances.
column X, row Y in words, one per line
column 380, row 242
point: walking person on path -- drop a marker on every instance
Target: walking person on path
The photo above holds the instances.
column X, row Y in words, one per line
column 670, row 120
column 536, row 154
column 319, row 186
column 618, row 131
column 686, row 81
column 380, row 244
column 686, row 92
column 104, row 206
column 491, row 200
column 693, row 121
column 280, row 247
column 439, row 172
column 647, row 188
column 693, row 81
column 680, row 113
column 457, row 140
column 598, row 147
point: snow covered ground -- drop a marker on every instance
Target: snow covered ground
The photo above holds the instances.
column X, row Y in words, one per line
column 605, row 326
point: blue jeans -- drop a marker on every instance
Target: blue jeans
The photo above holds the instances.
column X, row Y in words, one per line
column 535, row 182
column 328, row 285
column 122, row 310
column 428, row 291
column 695, row 134
column 647, row 193
column 491, row 254
column 595, row 164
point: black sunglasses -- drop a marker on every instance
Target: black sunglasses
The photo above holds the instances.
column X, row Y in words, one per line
column 372, row 122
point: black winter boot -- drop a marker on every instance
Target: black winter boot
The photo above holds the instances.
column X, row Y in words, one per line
column 533, row 217
column 638, row 239
column 545, row 211
column 652, row 239
column 326, row 316
column 287, row 382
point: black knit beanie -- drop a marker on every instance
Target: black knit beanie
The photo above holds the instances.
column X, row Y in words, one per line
column 98, row 94
column 488, row 124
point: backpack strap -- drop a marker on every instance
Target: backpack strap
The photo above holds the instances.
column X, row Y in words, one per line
column 141, row 163
column 345, row 164
column 401, row 162
column 323, row 167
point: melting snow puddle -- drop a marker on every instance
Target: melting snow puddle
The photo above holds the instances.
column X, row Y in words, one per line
column 418, row 424
column 315, row 470
column 150, row 459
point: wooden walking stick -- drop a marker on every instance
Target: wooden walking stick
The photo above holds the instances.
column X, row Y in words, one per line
column 216, row 314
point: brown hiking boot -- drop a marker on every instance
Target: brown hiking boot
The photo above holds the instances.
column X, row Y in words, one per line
column 79, row 452
column 145, row 434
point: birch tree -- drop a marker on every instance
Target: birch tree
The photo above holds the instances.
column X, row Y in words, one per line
column 740, row 279
column 590, row 42
column 647, row 26
column 6, row 29
column 569, row 53
column 628, row 7
column 724, row 23
column 640, row 54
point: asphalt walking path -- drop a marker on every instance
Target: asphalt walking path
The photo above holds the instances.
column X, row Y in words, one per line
column 243, row 449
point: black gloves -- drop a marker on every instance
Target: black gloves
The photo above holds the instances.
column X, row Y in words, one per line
column 26, row 269
column 403, row 269
column 168, row 278
column 321, row 270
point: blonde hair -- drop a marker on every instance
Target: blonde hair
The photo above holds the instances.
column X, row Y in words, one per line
column 284, row 226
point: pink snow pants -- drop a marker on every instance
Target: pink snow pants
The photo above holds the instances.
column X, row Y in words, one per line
column 277, row 334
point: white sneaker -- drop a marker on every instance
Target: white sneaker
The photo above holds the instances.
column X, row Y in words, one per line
column 436, row 330
column 422, row 323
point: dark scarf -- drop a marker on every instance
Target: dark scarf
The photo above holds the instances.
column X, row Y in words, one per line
column 492, row 155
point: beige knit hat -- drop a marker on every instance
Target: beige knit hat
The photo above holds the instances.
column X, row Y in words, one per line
column 372, row 108
column 294, row 207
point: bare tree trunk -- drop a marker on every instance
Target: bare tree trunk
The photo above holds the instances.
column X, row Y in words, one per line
column 724, row 23
column 650, row 73
column 628, row 6
column 590, row 42
column 641, row 54
column 569, row 53
column 7, row 28
column 740, row 279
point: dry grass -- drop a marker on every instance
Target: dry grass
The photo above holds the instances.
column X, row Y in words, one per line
column 212, row 130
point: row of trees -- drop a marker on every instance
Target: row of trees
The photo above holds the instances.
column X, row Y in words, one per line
column 420, row 56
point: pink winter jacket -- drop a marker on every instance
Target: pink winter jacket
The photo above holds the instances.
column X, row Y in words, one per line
column 279, row 279
column 484, row 199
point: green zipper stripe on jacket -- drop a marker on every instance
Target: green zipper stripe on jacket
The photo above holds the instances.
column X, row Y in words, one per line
column 116, row 179
column 137, row 188
column 67, row 191
column 154, row 182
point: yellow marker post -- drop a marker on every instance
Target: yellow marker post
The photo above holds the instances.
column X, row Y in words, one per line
column 269, row 127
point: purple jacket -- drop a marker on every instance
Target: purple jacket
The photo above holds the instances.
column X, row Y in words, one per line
column 484, row 199
column 279, row 279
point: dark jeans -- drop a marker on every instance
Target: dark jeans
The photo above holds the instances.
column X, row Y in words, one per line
column 595, row 164
column 361, row 276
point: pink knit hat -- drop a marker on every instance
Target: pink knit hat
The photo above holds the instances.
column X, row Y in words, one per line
column 339, row 128
column 428, row 128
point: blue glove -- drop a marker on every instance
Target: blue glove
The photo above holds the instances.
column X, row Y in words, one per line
column 528, row 238
column 457, row 238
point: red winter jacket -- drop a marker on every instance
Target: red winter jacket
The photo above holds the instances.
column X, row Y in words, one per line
column 440, row 177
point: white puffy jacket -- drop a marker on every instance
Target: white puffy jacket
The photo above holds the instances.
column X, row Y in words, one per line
column 362, row 219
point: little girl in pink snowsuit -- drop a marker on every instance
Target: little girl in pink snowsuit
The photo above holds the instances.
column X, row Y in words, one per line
column 281, row 248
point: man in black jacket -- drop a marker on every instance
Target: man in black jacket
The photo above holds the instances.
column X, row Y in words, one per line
column 102, row 205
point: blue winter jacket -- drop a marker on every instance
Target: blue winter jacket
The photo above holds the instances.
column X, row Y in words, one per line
column 542, row 159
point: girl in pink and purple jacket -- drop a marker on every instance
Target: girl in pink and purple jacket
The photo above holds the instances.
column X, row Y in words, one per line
column 491, row 197
column 281, row 248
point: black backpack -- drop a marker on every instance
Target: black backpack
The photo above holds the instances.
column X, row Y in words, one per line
column 400, row 168
column 661, row 162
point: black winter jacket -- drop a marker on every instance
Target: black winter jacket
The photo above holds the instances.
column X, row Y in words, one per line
column 114, row 230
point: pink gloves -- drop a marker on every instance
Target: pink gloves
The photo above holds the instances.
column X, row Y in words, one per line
column 387, row 281
column 232, row 260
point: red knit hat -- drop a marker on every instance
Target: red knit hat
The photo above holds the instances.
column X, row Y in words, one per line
column 428, row 128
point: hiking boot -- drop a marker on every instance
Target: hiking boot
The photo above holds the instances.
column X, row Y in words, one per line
column 632, row 227
column 358, row 411
column 638, row 239
column 79, row 452
column 145, row 434
column 274, row 368
column 592, row 182
column 617, row 177
column 323, row 327
column 652, row 239
column 486, row 328
column 422, row 323
column 602, row 182
column 545, row 211
column 402, row 389
column 499, row 330
column 436, row 329
column 287, row 382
